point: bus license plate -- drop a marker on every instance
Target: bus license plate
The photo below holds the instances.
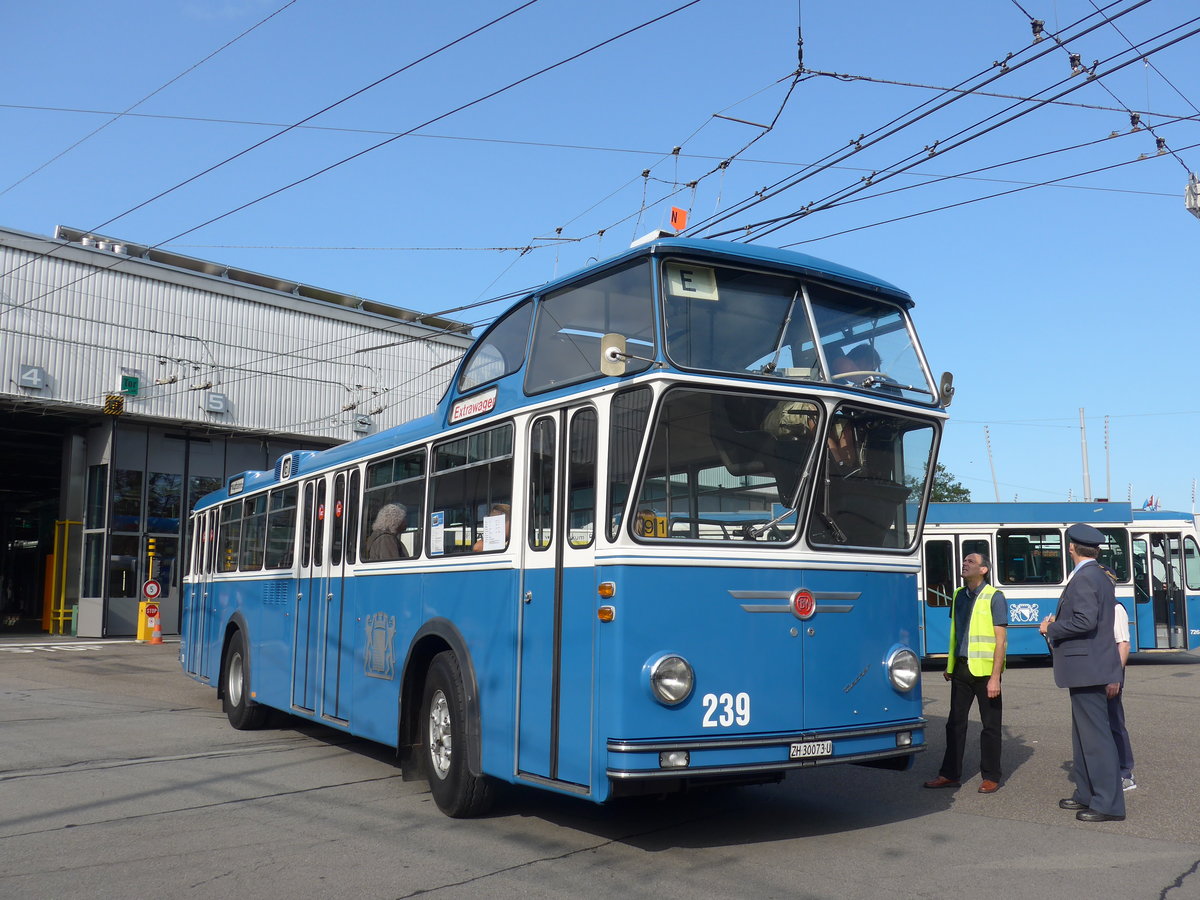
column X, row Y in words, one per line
column 811, row 749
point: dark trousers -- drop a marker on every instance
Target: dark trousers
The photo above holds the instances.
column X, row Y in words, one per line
column 1116, row 722
column 1096, row 772
column 965, row 688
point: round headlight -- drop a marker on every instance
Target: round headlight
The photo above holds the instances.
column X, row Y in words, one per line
column 904, row 670
column 672, row 678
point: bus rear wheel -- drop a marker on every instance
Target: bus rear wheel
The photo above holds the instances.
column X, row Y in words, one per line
column 445, row 742
column 243, row 714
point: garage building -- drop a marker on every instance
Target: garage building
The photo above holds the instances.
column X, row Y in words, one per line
column 138, row 379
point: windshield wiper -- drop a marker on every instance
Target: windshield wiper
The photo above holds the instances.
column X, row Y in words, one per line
column 774, row 363
column 873, row 380
column 838, row 534
column 752, row 533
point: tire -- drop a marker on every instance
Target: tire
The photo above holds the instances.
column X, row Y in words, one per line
column 457, row 792
column 243, row 713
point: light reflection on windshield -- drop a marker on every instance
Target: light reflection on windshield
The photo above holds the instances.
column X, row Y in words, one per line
column 742, row 322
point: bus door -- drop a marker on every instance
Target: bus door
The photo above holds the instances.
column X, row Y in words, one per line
column 322, row 661
column 558, row 600
column 941, row 576
column 310, row 595
column 196, row 612
column 1191, row 581
column 1159, row 590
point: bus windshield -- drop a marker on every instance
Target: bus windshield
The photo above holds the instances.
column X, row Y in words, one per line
column 726, row 466
column 722, row 319
column 876, row 469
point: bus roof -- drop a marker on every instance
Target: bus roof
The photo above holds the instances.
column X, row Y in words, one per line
column 1163, row 515
column 1008, row 513
column 801, row 263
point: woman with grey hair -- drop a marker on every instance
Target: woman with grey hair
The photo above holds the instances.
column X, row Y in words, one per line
column 384, row 542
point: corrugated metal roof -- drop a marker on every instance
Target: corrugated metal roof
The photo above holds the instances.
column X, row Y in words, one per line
column 285, row 363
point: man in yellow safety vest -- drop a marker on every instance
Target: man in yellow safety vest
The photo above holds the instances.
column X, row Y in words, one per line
column 978, row 642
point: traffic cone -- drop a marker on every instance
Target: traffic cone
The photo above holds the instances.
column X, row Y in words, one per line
column 156, row 634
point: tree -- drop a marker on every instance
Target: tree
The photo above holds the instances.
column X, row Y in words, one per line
column 946, row 489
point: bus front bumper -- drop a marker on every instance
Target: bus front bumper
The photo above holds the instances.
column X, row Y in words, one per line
column 763, row 755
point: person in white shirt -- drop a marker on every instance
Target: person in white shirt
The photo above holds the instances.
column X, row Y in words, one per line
column 1116, row 712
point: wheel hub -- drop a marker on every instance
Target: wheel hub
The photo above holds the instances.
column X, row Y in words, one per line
column 234, row 688
column 440, row 738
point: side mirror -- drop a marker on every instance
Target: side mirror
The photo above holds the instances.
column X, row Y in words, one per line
column 612, row 354
column 946, row 389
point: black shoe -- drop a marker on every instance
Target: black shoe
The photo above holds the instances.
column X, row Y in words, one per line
column 1090, row 815
column 1068, row 803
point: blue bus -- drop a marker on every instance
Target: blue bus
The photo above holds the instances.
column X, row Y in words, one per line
column 662, row 531
column 1153, row 555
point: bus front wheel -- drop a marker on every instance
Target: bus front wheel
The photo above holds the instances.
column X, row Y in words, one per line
column 456, row 791
column 243, row 714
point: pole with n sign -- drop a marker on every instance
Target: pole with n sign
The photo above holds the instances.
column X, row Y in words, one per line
column 678, row 218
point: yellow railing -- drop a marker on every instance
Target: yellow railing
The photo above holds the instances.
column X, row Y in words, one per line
column 56, row 617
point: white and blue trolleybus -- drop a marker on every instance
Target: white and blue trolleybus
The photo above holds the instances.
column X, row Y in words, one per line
column 662, row 531
column 1153, row 557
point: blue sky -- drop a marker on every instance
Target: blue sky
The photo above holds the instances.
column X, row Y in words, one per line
column 1042, row 301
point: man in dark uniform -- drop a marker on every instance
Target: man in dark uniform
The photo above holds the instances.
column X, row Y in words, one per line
column 1080, row 634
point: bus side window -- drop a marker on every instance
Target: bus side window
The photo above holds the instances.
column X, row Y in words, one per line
column 1029, row 557
column 472, row 475
column 229, row 537
column 395, row 488
column 499, row 352
column 281, row 528
column 939, row 573
column 254, row 531
column 628, row 418
column 1191, row 559
column 581, row 484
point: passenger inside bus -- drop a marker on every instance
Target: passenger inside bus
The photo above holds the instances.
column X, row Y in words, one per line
column 858, row 361
column 384, row 542
column 490, row 539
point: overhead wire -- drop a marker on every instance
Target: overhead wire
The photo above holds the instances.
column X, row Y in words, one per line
column 384, row 143
column 288, row 128
column 684, row 187
column 972, row 200
column 758, row 230
column 1134, row 118
column 135, row 105
column 972, row 174
column 897, row 124
column 1158, row 72
column 871, row 79
column 656, row 19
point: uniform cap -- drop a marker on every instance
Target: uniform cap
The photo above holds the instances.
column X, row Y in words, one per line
column 1085, row 535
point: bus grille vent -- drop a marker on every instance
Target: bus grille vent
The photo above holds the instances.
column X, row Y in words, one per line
column 276, row 594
